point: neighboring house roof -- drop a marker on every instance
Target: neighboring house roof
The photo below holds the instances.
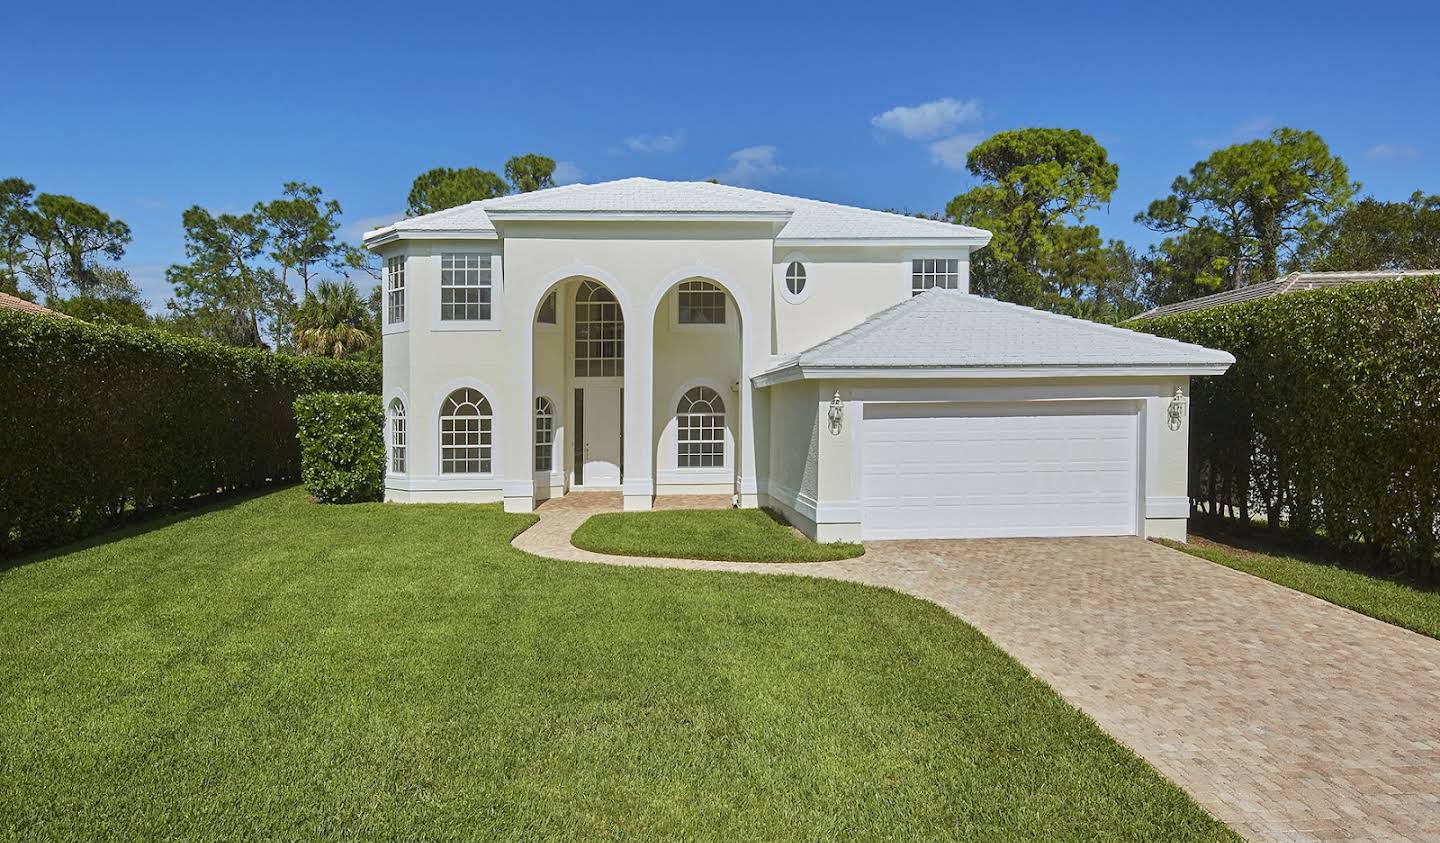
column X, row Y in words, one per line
column 802, row 221
column 1293, row 283
column 9, row 302
column 947, row 333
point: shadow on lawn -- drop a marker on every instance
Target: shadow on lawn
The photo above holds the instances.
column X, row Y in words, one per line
column 1235, row 539
column 140, row 524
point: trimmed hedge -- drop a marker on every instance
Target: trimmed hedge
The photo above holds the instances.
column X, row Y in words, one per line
column 342, row 446
column 1329, row 422
column 100, row 422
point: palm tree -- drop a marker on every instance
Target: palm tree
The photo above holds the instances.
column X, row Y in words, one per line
column 333, row 320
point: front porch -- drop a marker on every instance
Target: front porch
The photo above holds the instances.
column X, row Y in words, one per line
column 644, row 402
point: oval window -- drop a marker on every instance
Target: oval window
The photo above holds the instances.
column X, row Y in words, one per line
column 795, row 278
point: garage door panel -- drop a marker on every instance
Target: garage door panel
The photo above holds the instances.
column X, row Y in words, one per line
column 957, row 470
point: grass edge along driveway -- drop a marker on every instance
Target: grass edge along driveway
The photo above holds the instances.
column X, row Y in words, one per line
column 272, row 668
column 722, row 535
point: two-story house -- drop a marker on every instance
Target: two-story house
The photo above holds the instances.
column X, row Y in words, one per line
column 671, row 338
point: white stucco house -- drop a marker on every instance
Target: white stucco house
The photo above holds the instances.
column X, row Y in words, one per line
column 671, row 338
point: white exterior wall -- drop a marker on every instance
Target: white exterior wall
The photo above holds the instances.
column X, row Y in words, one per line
column 794, row 431
column 845, row 285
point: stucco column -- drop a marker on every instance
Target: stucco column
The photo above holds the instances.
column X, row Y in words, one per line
column 638, row 471
column 750, row 408
column 517, row 418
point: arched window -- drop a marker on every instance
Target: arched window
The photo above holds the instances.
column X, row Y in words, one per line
column 465, row 433
column 700, row 429
column 599, row 333
column 397, row 437
column 795, row 278
column 544, row 434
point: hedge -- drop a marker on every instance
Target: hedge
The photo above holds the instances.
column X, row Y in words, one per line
column 342, row 446
column 1329, row 421
column 100, row 422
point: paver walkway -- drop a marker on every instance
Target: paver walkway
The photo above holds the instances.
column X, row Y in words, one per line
column 1285, row 716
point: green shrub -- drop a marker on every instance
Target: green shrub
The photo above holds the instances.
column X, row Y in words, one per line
column 103, row 421
column 342, row 446
column 1329, row 422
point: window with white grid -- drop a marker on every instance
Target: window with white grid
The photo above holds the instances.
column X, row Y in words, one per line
column 548, row 311
column 544, row 434
column 397, row 437
column 465, row 433
column 599, row 333
column 464, row 288
column 795, row 278
column 701, row 303
column 395, row 289
column 929, row 273
column 700, row 429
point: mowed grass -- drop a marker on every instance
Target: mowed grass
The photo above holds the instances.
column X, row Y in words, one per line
column 278, row 669
column 727, row 535
column 1394, row 601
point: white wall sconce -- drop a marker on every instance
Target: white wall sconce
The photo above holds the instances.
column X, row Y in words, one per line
column 836, row 413
column 1175, row 415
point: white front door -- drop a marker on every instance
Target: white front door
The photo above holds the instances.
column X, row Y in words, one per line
column 951, row 471
column 600, row 429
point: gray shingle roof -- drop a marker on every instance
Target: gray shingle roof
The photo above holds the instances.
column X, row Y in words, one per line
column 809, row 219
column 948, row 329
column 1292, row 283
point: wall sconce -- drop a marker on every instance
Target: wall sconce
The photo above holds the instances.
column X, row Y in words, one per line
column 1175, row 415
column 836, row 413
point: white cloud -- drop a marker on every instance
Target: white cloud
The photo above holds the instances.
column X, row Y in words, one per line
column 950, row 153
column 566, row 172
column 1393, row 152
column 654, row 143
column 928, row 120
column 751, row 165
column 354, row 229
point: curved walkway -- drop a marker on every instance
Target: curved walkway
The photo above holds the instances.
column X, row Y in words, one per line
column 1285, row 716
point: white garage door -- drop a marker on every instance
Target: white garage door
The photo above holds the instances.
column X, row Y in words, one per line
column 990, row 470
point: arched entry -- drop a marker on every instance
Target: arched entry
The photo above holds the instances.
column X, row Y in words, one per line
column 597, row 368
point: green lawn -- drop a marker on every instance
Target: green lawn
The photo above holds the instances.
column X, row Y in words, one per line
column 1389, row 600
column 273, row 668
column 727, row 535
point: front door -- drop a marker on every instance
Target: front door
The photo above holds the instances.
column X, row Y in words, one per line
column 600, row 428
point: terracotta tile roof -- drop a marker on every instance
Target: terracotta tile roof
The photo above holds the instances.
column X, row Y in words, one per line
column 9, row 302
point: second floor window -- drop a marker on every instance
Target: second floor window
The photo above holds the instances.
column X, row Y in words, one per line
column 395, row 289
column 929, row 273
column 464, row 288
column 701, row 303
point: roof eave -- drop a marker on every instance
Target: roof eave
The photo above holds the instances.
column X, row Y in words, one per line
column 638, row 216
column 380, row 237
column 973, row 241
column 800, row 371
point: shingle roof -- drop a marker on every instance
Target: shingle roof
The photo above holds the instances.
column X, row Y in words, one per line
column 10, row 302
column 809, row 219
column 948, row 329
column 1292, row 283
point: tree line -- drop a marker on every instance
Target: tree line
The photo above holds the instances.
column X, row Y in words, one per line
column 235, row 285
column 1242, row 215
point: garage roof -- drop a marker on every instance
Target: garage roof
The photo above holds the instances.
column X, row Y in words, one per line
column 947, row 333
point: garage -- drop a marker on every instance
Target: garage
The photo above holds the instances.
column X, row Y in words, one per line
column 988, row 470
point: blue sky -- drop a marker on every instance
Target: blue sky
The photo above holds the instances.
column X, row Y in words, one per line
column 146, row 109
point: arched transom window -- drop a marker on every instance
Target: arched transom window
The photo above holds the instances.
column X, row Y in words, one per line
column 544, row 434
column 397, row 437
column 700, row 303
column 700, row 429
column 599, row 333
column 465, row 433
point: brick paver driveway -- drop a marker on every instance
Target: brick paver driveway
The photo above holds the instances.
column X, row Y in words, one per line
column 1286, row 717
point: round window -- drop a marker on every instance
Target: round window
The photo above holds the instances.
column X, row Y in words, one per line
column 795, row 278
